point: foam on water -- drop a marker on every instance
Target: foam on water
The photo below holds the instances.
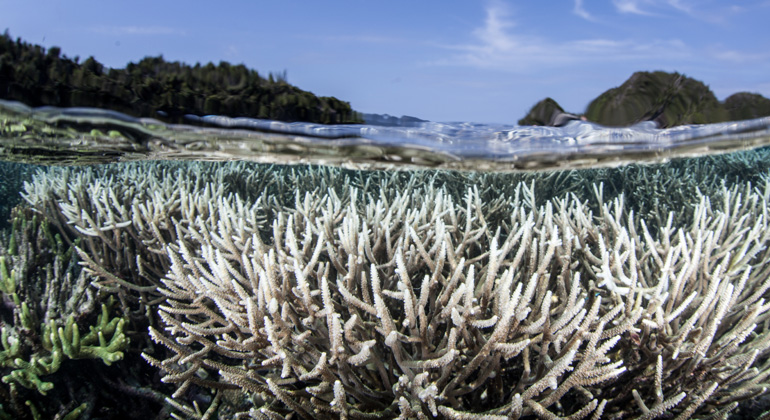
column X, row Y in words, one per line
column 85, row 135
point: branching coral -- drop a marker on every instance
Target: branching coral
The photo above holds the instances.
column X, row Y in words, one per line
column 46, row 290
column 323, row 293
column 45, row 297
column 13, row 176
column 413, row 306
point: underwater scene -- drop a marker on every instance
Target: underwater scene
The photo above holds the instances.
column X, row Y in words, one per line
column 185, row 237
column 154, row 270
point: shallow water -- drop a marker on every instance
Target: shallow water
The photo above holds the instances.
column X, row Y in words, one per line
column 657, row 220
column 83, row 135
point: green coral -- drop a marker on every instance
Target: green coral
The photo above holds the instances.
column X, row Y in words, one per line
column 27, row 373
column 93, row 345
column 7, row 279
column 72, row 415
column 42, row 304
column 61, row 341
column 11, row 347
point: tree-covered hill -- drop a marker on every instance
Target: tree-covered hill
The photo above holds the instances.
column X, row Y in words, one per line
column 157, row 88
column 745, row 105
column 669, row 99
column 542, row 113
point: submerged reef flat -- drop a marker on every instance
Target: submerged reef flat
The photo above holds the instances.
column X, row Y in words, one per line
column 242, row 290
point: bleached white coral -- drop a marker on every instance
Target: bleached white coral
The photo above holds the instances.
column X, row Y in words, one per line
column 415, row 296
column 464, row 315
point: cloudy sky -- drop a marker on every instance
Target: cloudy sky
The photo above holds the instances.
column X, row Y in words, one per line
column 482, row 61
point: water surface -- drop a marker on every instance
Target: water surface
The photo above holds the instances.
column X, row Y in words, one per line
column 85, row 135
column 619, row 194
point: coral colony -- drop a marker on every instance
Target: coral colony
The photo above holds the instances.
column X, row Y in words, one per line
column 312, row 292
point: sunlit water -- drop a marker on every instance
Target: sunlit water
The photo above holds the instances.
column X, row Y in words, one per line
column 82, row 135
column 657, row 173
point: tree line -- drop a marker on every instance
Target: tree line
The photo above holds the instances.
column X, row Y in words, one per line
column 157, row 88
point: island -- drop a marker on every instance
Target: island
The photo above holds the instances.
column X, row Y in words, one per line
column 668, row 99
column 170, row 91
column 154, row 87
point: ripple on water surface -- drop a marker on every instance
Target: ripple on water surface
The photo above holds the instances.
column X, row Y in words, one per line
column 86, row 135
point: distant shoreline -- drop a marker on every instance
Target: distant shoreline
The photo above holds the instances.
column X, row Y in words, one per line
column 668, row 99
column 157, row 88
column 168, row 91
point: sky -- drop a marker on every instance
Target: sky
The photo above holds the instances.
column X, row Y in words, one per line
column 483, row 61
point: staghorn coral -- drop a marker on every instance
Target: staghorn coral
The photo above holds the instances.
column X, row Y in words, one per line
column 344, row 331
column 415, row 306
column 46, row 301
column 123, row 219
column 327, row 293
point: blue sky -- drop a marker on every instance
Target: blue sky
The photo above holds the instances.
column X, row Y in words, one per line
column 482, row 61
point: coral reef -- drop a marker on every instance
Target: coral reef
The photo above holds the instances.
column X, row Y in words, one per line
column 322, row 293
column 346, row 314
column 13, row 176
column 47, row 300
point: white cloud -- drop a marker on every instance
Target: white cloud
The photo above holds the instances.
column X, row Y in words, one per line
column 497, row 46
column 137, row 30
column 581, row 11
column 646, row 7
column 631, row 6
column 681, row 5
column 493, row 34
column 738, row 57
column 706, row 11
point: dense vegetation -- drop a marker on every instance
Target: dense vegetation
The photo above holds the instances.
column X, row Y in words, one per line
column 669, row 99
column 542, row 113
column 744, row 105
column 157, row 88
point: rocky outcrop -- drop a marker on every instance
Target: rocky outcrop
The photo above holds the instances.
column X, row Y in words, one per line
column 745, row 105
column 542, row 113
column 668, row 99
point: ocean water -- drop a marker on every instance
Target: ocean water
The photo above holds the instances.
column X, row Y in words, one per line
column 240, row 268
column 82, row 135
